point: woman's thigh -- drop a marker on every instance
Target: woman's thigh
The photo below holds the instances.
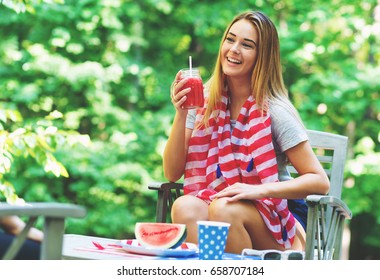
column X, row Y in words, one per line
column 188, row 209
column 248, row 229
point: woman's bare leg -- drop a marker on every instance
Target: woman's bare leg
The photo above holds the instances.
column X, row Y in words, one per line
column 188, row 209
column 248, row 229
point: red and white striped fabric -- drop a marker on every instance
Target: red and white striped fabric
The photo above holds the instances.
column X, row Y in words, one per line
column 217, row 159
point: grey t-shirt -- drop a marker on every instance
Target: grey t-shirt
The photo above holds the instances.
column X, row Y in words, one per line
column 287, row 132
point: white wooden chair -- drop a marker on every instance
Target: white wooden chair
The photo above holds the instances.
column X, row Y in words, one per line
column 326, row 213
column 53, row 214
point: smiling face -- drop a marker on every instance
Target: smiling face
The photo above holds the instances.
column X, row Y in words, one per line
column 239, row 50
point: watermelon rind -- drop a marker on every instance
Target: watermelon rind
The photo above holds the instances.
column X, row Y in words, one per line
column 160, row 235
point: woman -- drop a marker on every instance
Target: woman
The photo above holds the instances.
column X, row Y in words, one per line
column 10, row 226
column 234, row 150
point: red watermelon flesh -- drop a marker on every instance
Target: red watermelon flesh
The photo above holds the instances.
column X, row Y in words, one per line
column 160, row 235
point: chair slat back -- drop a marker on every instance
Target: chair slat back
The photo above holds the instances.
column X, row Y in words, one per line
column 330, row 150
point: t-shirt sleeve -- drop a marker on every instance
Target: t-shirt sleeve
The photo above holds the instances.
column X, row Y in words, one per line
column 190, row 119
column 287, row 130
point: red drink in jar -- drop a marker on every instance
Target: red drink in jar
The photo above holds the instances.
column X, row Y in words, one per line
column 195, row 97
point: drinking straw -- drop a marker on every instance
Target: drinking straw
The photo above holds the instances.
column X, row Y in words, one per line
column 190, row 65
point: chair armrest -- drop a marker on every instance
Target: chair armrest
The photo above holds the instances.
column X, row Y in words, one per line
column 53, row 214
column 46, row 209
column 329, row 200
column 165, row 186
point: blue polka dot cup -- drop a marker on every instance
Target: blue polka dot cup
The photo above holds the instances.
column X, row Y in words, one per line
column 212, row 238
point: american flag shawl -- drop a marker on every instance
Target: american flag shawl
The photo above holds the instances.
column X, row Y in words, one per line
column 218, row 158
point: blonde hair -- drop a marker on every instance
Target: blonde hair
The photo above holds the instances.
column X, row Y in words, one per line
column 267, row 83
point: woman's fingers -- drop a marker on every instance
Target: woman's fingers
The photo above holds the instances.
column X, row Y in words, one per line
column 238, row 192
column 178, row 95
column 227, row 192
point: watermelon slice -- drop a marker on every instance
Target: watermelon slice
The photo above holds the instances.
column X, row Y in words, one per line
column 160, row 235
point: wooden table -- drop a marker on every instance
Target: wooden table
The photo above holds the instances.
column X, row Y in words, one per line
column 81, row 247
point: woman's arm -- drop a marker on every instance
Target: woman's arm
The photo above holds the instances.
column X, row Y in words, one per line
column 312, row 179
column 174, row 157
column 14, row 225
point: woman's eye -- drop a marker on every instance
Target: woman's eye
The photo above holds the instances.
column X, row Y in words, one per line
column 248, row 46
column 229, row 39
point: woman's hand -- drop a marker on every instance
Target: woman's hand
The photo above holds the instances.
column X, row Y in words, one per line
column 240, row 191
column 35, row 234
column 177, row 94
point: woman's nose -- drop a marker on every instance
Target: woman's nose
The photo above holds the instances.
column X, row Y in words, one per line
column 235, row 48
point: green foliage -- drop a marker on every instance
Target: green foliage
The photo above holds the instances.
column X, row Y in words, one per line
column 362, row 181
column 39, row 141
column 108, row 65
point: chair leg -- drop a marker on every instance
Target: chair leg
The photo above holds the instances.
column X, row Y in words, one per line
column 311, row 232
column 331, row 236
column 52, row 243
column 339, row 236
column 162, row 206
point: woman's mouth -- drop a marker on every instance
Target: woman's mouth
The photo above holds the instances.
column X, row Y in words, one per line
column 233, row 60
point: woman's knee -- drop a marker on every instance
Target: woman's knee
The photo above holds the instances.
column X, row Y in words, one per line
column 189, row 208
column 241, row 212
column 222, row 210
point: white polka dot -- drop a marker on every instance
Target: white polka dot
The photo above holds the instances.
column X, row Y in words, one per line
column 213, row 232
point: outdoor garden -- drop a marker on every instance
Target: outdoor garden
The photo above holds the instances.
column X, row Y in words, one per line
column 85, row 107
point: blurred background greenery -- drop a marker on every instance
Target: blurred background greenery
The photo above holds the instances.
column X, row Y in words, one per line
column 107, row 66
